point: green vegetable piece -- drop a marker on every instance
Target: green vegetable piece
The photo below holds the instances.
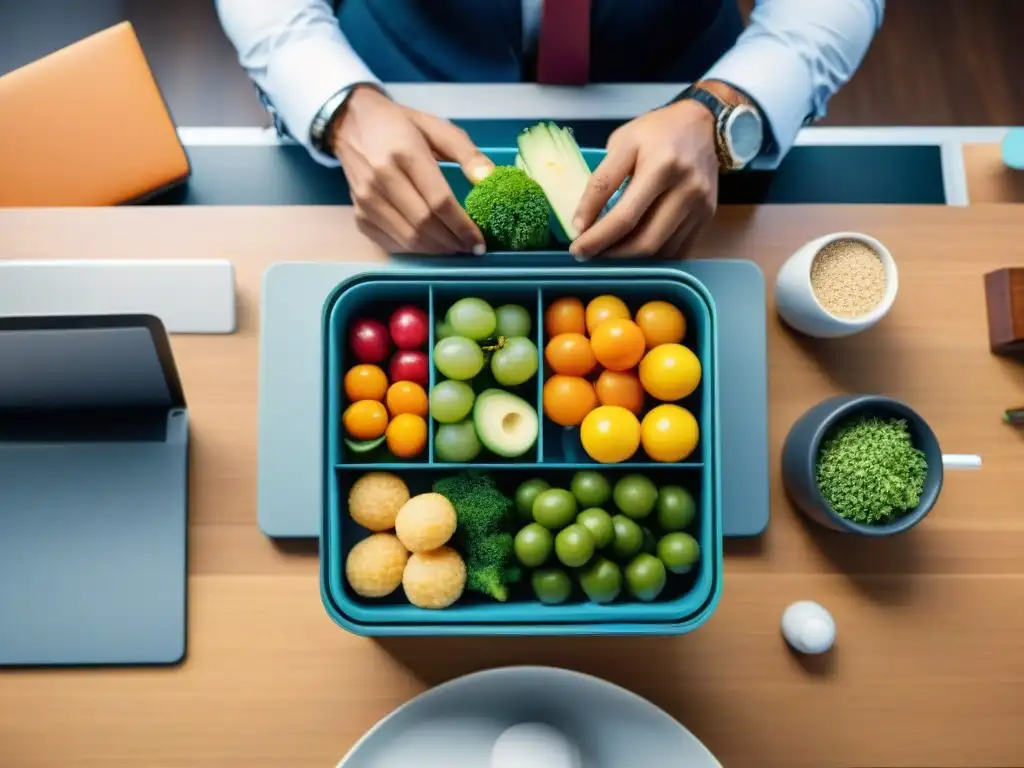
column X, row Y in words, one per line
column 574, row 545
column 533, row 545
column 601, row 581
column 869, row 471
column 551, row 586
column 645, row 577
column 363, row 446
column 599, row 523
column 678, row 551
column 676, row 508
column 511, row 210
column 483, row 514
column 526, row 493
column 590, row 488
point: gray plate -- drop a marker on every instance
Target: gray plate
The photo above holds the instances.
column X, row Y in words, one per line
column 456, row 724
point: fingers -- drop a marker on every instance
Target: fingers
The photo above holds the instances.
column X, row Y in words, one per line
column 449, row 142
column 378, row 235
column 629, row 212
column 440, row 204
column 604, row 181
column 408, row 201
column 679, row 244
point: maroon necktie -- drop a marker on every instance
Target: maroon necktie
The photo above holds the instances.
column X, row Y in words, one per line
column 563, row 48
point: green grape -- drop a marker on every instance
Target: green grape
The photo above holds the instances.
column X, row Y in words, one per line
column 515, row 363
column 472, row 318
column 457, row 442
column 513, row 320
column 451, row 401
column 442, row 330
column 458, row 358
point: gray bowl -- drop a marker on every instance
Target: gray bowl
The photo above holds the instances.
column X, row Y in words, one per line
column 803, row 443
column 456, row 724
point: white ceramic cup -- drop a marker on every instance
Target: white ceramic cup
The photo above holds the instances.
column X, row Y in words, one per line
column 800, row 308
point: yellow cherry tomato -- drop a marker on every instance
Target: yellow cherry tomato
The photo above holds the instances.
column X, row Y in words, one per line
column 669, row 433
column 604, row 308
column 406, row 435
column 406, row 397
column 661, row 322
column 365, row 382
column 670, row 372
column 610, row 434
column 365, row 419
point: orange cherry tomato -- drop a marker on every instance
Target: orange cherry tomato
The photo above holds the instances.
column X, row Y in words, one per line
column 605, row 308
column 365, row 382
column 406, row 397
column 565, row 315
column 406, row 435
column 568, row 399
column 661, row 323
column 365, row 419
column 621, row 388
column 570, row 354
column 618, row 344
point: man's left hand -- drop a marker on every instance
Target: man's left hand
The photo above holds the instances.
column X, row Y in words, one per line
column 673, row 190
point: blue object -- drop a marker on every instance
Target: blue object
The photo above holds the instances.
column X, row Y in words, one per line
column 1013, row 148
column 468, row 41
column 93, row 493
column 689, row 601
column 290, row 490
column 803, row 444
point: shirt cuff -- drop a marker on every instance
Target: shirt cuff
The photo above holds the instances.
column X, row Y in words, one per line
column 777, row 80
column 302, row 76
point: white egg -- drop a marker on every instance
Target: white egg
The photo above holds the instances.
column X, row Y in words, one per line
column 534, row 745
column 808, row 627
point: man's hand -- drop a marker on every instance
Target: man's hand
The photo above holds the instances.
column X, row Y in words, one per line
column 673, row 192
column 389, row 154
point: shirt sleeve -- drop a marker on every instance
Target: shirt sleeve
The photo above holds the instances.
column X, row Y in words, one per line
column 793, row 57
column 295, row 53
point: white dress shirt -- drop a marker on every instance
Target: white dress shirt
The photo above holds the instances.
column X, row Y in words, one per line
column 792, row 57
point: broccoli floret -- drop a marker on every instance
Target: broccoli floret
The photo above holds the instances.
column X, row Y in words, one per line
column 511, row 210
column 489, row 579
column 482, row 513
column 480, row 508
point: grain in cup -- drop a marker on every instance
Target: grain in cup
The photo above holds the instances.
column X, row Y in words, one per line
column 836, row 285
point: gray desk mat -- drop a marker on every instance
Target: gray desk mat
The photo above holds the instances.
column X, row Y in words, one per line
column 290, row 480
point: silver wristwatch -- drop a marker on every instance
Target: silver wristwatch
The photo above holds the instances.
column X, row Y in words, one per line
column 318, row 131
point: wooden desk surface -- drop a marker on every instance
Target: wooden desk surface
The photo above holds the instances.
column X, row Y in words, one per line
column 988, row 178
column 930, row 655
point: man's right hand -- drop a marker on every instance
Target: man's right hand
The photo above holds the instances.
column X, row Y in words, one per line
column 389, row 154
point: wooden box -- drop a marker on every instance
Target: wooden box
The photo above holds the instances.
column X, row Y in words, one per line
column 1004, row 298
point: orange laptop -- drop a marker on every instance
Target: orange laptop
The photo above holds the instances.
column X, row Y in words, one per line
column 87, row 125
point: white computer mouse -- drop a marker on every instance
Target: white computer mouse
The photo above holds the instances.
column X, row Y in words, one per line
column 534, row 745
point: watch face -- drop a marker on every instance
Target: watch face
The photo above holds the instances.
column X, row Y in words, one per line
column 745, row 135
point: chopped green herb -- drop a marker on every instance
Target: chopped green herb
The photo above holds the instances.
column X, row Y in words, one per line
column 869, row 471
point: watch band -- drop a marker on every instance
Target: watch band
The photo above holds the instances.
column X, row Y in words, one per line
column 719, row 110
column 322, row 121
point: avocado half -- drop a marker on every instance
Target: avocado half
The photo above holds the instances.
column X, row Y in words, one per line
column 506, row 424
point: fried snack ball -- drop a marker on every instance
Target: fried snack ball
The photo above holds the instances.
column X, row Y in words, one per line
column 375, row 499
column 434, row 579
column 425, row 522
column 375, row 565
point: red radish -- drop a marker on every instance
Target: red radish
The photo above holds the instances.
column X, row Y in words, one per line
column 408, row 365
column 369, row 341
column 408, row 326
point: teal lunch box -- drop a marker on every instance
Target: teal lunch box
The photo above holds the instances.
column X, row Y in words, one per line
column 687, row 601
